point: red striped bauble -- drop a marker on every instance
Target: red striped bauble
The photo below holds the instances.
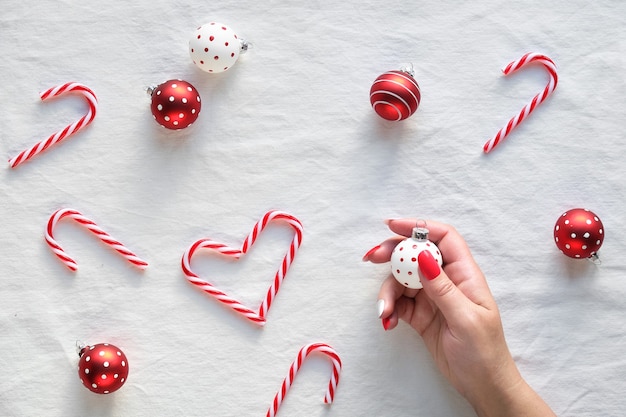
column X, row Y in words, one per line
column 395, row 95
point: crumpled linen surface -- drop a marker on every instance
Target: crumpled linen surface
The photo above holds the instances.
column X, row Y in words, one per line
column 290, row 127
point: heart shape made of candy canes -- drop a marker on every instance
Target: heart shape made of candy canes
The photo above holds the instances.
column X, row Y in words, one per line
column 221, row 296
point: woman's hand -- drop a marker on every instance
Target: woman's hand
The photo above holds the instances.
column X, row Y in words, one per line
column 459, row 321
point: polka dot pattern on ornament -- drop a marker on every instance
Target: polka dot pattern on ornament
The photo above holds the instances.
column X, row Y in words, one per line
column 103, row 368
column 404, row 262
column 214, row 47
column 578, row 233
column 175, row 104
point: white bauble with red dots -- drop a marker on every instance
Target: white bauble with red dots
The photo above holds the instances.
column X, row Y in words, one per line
column 214, row 47
column 102, row 368
column 404, row 263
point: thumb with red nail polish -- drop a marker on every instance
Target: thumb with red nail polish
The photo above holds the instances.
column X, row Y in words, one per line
column 428, row 265
column 440, row 289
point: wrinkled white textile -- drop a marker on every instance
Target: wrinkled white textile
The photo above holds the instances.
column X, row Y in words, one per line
column 290, row 127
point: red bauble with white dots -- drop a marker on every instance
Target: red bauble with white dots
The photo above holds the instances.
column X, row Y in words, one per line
column 404, row 257
column 579, row 233
column 395, row 95
column 102, row 368
column 175, row 104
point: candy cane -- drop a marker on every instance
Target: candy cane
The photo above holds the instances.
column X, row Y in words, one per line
column 538, row 99
column 255, row 317
column 93, row 228
column 297, row 364
column 70, row 129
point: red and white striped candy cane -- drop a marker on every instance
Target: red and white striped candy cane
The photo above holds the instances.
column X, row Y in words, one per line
column 93, row 228
column 297, row 364
column 538, row 99
column 71, row 87
column 255, row 317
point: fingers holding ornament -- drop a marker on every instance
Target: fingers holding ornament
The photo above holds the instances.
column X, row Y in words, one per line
column 404, row 228
column 382, row 252
column 445, row 236
column 405, row 256
column 403, row 253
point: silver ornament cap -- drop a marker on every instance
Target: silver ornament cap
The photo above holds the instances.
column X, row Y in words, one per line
column 420, row 234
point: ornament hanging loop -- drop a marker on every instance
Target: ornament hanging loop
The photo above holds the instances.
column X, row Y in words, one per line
column 245, row 45
column 595, row 259
column 80, row 347
column 420, row 232
column 409, row 69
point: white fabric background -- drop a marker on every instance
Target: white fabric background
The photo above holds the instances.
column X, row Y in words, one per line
column 290, row 127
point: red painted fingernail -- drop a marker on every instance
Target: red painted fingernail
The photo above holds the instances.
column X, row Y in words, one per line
column 366, row 257
column 386, row 323
column 428, row 265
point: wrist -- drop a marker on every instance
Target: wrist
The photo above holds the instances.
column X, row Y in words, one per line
column 509, row 395
column 498, row 400
column 493, row 393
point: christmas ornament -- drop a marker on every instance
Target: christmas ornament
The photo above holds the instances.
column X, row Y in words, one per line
column 579, row 233
column 395, row 95
column 404, row 264
column 215, row 47
column 295, row 367
column 93, row 228
column 253, row 316
column 102, row 368
column 175, row 104
column 549, row 65
column 60, row 90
